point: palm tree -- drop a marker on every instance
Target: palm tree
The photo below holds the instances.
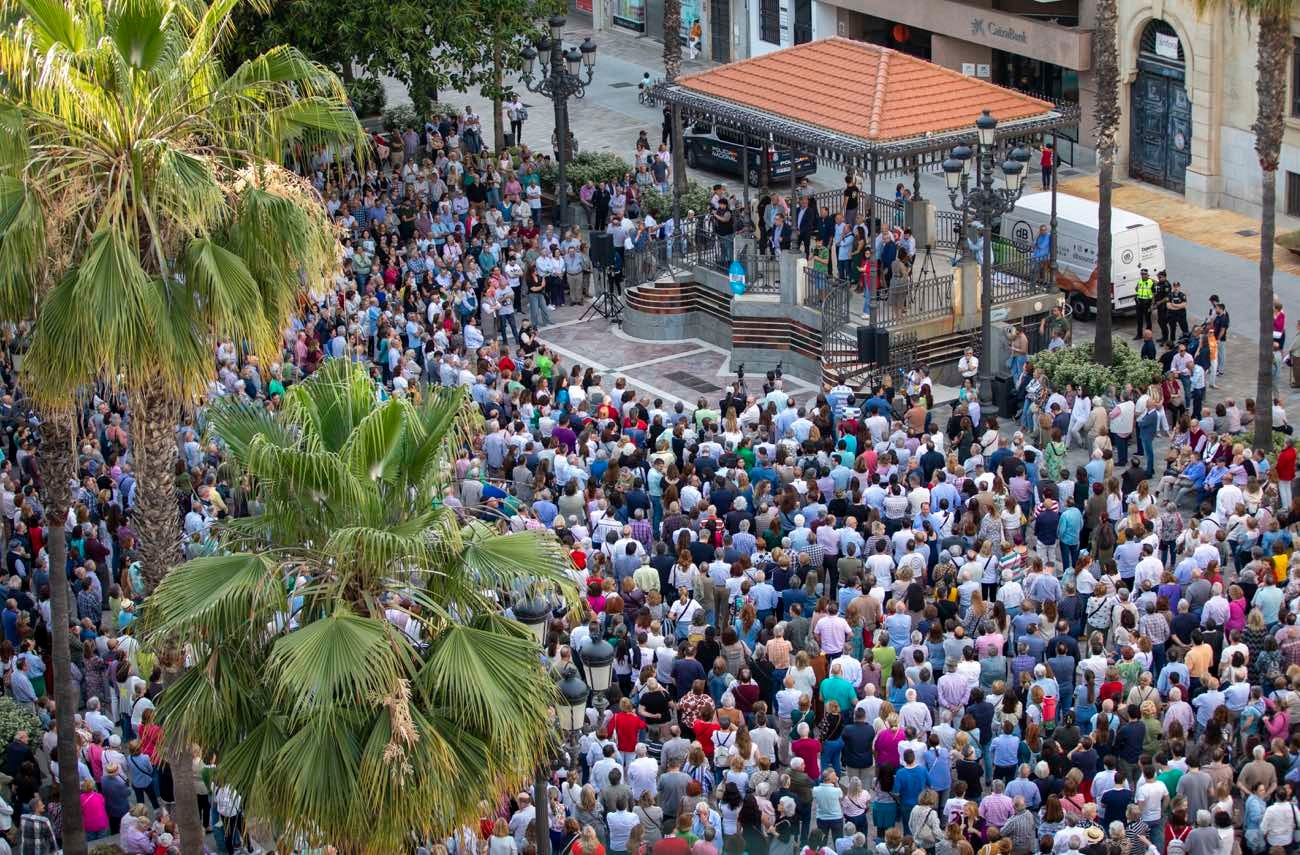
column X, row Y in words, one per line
column 143, row 212
column 331, row 722
column 1107, row 116
column 672, row 39
column 1272, row 72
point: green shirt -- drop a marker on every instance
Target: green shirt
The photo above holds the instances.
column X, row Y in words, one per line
column 841, row 691
column 884, row 657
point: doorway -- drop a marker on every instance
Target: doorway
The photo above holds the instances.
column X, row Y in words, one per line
column 720, row 30
column 1160, row 138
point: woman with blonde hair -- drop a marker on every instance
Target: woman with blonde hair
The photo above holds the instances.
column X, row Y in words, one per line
column 589, row 843
column 501, row 842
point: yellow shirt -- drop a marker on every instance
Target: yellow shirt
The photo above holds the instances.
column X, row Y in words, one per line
column 1198, row 661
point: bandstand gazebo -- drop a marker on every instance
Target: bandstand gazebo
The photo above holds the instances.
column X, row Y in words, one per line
column 881, row 114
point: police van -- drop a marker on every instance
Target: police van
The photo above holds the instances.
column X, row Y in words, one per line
column 719, row 150
column 1136, row 243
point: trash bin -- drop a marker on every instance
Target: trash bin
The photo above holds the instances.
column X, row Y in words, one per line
column 509, row 139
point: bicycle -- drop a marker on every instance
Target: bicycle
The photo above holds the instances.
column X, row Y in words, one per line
column 645, row 92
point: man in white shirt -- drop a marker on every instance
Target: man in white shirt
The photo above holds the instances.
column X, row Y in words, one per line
column 99, row 724
column 642, row 773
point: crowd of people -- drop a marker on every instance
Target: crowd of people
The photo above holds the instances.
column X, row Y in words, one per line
column 850, row 622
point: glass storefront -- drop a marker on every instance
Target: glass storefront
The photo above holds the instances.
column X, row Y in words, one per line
column 630, row 14
column 691, row 12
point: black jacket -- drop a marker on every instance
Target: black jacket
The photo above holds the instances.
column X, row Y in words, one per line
column 806, row 218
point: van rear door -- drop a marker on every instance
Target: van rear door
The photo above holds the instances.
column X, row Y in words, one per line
column 1126, row 265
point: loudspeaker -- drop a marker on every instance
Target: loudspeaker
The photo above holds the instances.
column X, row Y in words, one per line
column 873, row 345
column 602, row 250
column 918, row 215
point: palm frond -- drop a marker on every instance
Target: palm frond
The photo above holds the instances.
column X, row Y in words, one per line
column 215, row 596
column 334, row 661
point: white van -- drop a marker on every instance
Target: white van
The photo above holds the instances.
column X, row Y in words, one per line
column 1136, row 244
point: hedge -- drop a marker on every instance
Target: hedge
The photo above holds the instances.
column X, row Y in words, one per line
column 1078, row 366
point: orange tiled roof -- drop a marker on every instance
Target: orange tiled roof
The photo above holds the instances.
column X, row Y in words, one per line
column 862, row 90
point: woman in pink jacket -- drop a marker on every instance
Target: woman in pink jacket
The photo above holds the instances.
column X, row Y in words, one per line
column 94, row 814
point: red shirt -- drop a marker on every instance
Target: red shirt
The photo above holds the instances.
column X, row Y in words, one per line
column 704, row 731
column 626, row 726
column 811, row 751
column 1286, row 464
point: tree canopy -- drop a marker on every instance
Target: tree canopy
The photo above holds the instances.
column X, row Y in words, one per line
column 426, row 47
column 331, row 720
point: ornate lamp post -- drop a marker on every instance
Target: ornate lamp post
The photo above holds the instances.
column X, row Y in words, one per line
column 573, row 712
column 564, row 75
column 536, row 615
column 598, row 659
column 983, row 201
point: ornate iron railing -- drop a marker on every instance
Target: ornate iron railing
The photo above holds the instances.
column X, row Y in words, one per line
column 903, row 304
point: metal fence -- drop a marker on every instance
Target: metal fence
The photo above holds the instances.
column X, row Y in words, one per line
column 817, row 285
column 922, row 300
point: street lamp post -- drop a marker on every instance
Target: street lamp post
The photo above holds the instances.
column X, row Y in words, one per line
column 598, row 659
column 983, row 201
column 564, row 75
column 573, row 714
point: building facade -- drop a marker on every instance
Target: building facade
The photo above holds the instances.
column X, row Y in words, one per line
column 1187, row 81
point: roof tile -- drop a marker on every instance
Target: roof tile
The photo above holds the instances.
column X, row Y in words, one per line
column 862, row 90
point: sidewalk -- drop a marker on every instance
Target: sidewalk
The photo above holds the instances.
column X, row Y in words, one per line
column 1213, row 228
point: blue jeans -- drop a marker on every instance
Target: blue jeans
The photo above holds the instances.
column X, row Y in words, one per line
column 504, row 321
column 831, row 750
column 1069, row 554
column 726, row 249
column 537, row 310
column 1121, row 449
column 1147, row 439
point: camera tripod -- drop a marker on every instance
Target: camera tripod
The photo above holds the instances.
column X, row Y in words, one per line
column 607, row 303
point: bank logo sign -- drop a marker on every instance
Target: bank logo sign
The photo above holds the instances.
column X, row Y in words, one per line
column 989, row 30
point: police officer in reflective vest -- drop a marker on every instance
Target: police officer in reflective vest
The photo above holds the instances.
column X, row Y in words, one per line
column 1146, row 291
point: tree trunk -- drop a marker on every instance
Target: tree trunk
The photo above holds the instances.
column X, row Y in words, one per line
column 1272, row 66
column 57, row 465
column 498, row 132
column 672, row 39
column 186, row 810
column 1104, row 346
column 673, row 67
column 1107, row 115
column 154, row 453
column 155, row 413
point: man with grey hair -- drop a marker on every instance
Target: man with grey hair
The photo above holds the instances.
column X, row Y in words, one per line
column 1203, row 839
column 1021, row 828
column 1024, row 789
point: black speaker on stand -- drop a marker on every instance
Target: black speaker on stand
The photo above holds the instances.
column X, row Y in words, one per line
column 602, row 250
column 873, row 345
column 608, row 280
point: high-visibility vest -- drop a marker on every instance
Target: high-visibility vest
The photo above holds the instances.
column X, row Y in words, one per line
column 1145, row 289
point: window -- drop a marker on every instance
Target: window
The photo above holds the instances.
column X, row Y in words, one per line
column 769, row 21
column 1295, row 78
column 1292, row 194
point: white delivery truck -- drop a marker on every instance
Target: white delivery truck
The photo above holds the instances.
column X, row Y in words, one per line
column 1136, row 243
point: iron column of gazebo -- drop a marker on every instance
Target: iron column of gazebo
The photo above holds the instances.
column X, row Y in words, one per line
column 986, row 202
column 565, row 75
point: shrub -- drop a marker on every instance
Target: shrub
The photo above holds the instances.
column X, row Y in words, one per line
column 14, row 718
column 402, row 116
column 696, row 198
column 367, row 96
column 1289, row 240
column 594, row 166
column 1076, row 365
column 110, row 849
